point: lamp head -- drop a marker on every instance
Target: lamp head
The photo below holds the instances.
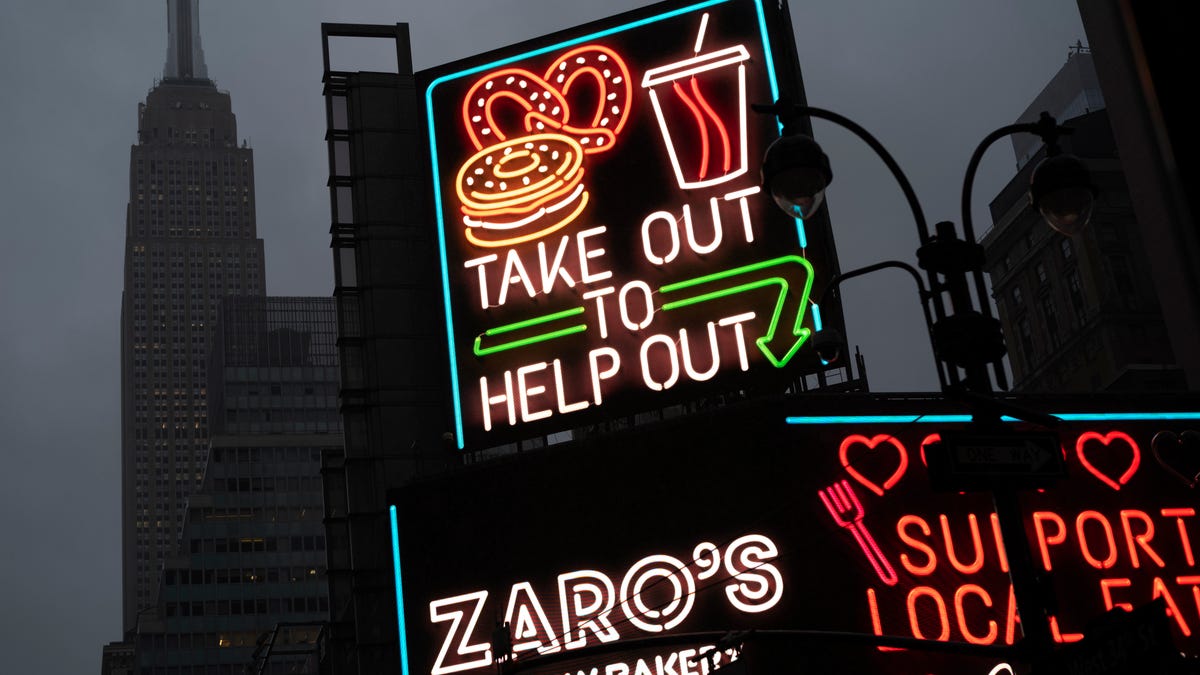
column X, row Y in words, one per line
column 828, row 344
column 1061, row 190
column 795, row 172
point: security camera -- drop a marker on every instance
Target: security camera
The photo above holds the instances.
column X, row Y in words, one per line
column 828, row 345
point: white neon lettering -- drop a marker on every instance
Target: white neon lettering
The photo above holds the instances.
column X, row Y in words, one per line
column 666, row 617
column 464, row 649
column 687, row 354
column 489, row 401
column 528, row 392
column 594, row 359
column 624, row 307
column 598, row 294
column 674, row 359
column 741, row 196
column 528, row 621
column 691, row 230
column 586, row 275
column 672, row 228
column 758, row 585
column 551, row 272
column 579, row 618
column 736, row 321
column 514, row 271
column 563, row 406
column 480, row 262
column 708, row 558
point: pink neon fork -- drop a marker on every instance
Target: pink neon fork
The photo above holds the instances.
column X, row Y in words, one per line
column 847, row 512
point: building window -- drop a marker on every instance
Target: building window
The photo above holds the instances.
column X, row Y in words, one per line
column 1017, row 299
column 1026, row 339
column 1051, row 316
column 1076, row 293
column 1067, row 249
column 1040, row 268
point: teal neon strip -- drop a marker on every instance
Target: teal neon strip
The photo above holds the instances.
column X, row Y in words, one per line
column 816, row 315
column 399, row 594
column 949, row 419
column 439, row 207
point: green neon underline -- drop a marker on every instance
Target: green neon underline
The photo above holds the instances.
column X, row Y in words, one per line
column 525, row 342
column 574, row 311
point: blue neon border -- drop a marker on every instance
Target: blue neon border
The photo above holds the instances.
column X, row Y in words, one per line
column 399, row 594
column 433, row 155
column 803, row 420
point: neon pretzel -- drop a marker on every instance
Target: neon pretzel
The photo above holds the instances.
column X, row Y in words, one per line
column 522, row 187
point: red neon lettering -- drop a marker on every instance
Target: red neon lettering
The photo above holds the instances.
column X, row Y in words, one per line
column 901, row 526
column 1143, row 539
column 1179, row 515
column 959, row 596
column 915, row 623
column 1160, row 591
column 1044, row 541
column 1194, row 582
column 1060, row 636
column 975, row 565
column 1106, row 586
column 876, row 625
column 999, row 544
column 1109, row 560
column 1011, row 619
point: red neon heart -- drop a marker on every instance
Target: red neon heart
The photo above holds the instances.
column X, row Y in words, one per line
column 1106, row 439
column 929, row 440
column 871, row 444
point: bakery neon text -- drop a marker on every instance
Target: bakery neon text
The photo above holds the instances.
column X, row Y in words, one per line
column 1136, row 552
column 597, row 608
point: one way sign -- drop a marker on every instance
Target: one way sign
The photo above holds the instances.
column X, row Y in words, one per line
column 981, row 461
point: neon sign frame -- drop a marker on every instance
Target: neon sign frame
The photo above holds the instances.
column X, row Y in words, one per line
column 1052, row 529
column 481, row 346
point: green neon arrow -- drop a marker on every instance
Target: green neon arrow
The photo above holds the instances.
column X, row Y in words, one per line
column 749, row 278
column 534, row 339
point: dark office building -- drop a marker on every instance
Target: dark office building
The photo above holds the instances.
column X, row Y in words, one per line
column 190, row 240
column 1079, row 313
column 248, row 588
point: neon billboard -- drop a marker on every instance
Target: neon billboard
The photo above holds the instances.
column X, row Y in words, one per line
column 823, row 526
column 605, row 245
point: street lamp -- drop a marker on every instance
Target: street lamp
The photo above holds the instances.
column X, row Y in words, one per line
column 966, row 338
column 796, row 171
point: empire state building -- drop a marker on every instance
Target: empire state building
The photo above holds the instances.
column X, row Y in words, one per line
column 190, row 240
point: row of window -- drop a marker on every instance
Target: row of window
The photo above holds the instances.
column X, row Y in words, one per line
column 259, row 544
column 242, row 575
column 273, row 483
column 248, row 606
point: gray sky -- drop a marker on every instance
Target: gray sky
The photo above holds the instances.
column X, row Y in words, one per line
column 928, row 77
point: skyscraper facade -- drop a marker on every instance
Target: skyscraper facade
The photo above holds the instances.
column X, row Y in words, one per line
column 1079, row 313
column 190, row 240
column 248, row 587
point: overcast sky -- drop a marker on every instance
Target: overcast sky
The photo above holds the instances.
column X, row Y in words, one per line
column 928, row 77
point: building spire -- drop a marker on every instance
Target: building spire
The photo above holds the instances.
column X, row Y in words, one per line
column 185, row 58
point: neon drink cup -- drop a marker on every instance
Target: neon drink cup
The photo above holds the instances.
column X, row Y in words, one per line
column 705, row 147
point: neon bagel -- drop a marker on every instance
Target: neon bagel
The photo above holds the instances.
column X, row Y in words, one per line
column 521, row 189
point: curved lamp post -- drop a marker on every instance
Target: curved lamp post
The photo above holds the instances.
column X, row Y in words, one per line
column 966, row 338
